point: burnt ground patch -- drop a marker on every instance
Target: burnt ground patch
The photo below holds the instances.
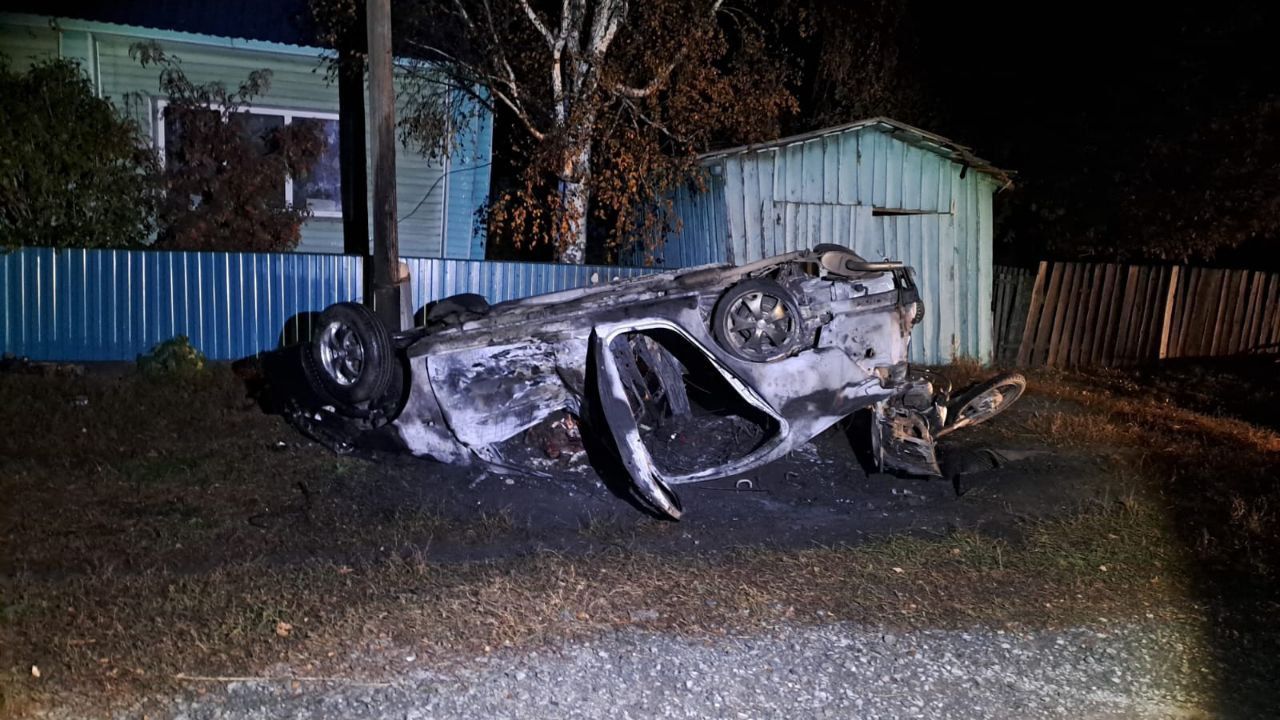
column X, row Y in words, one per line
column 821, row 494
column 141, row 473
column 138, row 472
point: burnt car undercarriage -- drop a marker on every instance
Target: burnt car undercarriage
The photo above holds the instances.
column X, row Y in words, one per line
column 778, row 351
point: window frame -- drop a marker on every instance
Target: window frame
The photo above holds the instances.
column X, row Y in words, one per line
column 288, row 114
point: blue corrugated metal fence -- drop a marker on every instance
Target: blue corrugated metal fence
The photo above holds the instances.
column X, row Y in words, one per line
column 87, row 305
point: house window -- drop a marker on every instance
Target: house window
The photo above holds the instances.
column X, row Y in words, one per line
column 320, row 189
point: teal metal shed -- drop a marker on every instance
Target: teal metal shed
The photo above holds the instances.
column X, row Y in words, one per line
column 881, row 187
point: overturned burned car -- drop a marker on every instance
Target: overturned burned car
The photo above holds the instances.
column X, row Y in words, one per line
column 782, row 349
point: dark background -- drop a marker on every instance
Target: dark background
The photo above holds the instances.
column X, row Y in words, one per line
column 1130, row 128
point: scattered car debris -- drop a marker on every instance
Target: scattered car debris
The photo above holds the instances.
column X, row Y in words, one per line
column 963, row 463
column 808, row 453
column 675, row 378
column 558, row 438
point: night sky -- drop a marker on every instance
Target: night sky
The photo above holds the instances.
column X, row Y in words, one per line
column 1120, row 115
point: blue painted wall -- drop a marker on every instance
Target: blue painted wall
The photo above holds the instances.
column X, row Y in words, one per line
column 467, row 174
column 87, row 305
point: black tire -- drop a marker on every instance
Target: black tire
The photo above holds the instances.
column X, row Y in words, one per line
column 833, row 247
column 350, row 359
column 772, row 311
column 456, row 309
column 984, row 401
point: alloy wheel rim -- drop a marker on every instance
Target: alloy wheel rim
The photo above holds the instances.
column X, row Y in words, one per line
column 989, row 403
column 341, row 354
column 759, row 325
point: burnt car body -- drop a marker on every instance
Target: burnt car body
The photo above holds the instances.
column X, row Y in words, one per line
column 793, row 343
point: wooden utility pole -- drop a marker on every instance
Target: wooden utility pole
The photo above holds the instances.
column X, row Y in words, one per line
column 382, row 133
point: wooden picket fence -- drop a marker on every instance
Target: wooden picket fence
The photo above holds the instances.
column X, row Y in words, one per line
column 1108, row 314
column 1010, row 297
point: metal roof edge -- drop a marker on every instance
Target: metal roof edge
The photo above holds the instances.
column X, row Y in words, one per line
column 150, row 33
column 949, row 149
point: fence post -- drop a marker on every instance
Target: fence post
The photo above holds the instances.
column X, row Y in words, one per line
column 1170, row 298
column 1033, row 310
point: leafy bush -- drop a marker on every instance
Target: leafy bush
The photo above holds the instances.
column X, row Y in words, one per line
column 173, row 357
column 224, row 175
column 73, row 171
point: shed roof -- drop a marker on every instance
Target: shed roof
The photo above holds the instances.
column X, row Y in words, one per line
column 901, row 131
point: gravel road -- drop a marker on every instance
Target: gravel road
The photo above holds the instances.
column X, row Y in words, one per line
column 836, row 670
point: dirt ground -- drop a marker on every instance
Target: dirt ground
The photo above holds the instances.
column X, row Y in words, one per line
column 158, row 526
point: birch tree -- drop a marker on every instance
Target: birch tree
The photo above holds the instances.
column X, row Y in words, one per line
column 613, row 98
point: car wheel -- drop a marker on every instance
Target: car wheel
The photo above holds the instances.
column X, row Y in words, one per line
column 456, row 309
column 821, row 248
column 757, row 320
column 350, row 359
column 984, row 402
